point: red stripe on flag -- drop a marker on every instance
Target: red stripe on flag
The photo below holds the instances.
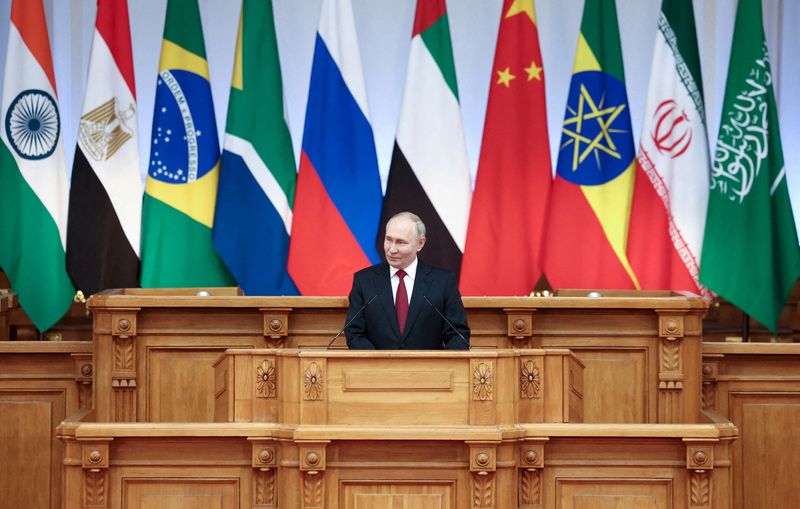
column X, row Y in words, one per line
column 29, row 19
column 577, row 253
column 652, row 251
column 114, row 26
column 323, row 253
column 503, row 250
column 428, row 13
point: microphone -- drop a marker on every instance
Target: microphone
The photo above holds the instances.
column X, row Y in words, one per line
column 350, row 321
column 446, row 320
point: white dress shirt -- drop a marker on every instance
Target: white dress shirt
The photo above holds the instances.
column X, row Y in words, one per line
column 411, row 274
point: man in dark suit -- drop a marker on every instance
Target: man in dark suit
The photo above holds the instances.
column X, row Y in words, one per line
column 404, row 303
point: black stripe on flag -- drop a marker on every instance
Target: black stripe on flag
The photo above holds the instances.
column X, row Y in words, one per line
column 405, row 193
column 99, row 254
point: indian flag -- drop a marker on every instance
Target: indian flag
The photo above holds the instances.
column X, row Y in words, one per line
column 33, row 174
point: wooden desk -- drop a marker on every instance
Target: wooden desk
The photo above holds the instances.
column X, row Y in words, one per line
column 640, row 350
column 260, row 465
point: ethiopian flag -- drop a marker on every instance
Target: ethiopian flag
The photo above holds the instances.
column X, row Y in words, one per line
column 33, row 173
column 587, row 225
column 182, row 176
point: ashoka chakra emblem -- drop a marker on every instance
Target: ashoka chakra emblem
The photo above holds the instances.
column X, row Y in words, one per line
column 32, row 124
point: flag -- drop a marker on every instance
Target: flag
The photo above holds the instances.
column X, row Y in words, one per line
column 253, row 216
column 504, row 238
column 338, row 199
column 587, row 224
column 429, row 172
column 181, row 188
column 105, row 204
column 33, row 173
column 750, row 251
column 670, row 194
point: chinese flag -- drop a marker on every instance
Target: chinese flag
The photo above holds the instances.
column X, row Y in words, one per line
column 502, row 254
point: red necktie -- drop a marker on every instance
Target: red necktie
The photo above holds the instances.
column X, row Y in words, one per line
column 401, row 301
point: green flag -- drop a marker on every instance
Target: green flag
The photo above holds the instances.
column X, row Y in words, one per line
column 750, row 250
column 181, row 189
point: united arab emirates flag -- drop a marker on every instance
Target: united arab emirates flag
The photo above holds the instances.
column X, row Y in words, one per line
column 33, row 173
column 181, row 188
column 105, row 206
column 429, row 172
column 750, row 251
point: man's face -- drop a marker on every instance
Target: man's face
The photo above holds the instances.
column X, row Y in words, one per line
column 401, row 244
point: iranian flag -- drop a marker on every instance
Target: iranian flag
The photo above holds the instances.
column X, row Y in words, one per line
column 670, row 195
column 33, row 173
column 750, row 251
column 429, row 172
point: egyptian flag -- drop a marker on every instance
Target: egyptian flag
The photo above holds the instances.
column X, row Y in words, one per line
column 429, row 172
column 670, row 195
column 587, row 225
column 503, row 253
column 338, row 198
column 104, row 223
column 33, row 173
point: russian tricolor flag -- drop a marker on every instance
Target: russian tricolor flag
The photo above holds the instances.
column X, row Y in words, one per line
column 338, row 200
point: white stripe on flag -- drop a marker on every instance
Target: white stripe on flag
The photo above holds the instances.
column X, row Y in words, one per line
column 264, row 177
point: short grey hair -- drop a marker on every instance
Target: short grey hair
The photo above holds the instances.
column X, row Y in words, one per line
column 420, row 226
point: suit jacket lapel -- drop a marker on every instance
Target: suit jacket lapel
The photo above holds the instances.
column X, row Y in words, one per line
column 383, row 285
column 421, row 284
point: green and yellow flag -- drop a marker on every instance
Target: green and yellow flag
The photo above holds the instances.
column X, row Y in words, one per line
column 181, row 189
column 750, row 251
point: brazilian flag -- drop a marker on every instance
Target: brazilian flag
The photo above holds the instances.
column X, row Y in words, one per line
column 182, row 176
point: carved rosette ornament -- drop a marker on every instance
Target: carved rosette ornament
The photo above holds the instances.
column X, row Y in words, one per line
column 266, row 379
column 529, row 381
column 700, row 460
column 482, row 382
column 95, row 475
column 275, row 327
column 313, row 382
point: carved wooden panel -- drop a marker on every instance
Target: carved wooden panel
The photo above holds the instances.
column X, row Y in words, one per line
column 530, row 489
column 313, row 490
column 611, row 493
column 530, row 379
column 700, row 490
column 482, row 490
column 158, row 493
column 265, row 493
column 313, row 381
column 95, row 488
column 482, row 380
column 181, row 386
column 423, row 494
column 266, row 379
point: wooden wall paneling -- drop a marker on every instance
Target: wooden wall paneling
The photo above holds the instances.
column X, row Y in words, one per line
column 40, row 385
column 757, row 387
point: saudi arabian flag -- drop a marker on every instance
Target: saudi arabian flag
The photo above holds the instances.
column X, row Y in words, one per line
column 182, row 176
column 750, row 251
column 33, row 173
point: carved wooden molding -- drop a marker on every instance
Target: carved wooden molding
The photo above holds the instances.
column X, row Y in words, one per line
column 124, row 356
column 264, row 495
column 276, row 326
column 84, row 371
column 313, row 381
column 482, row 380
column 700, row 490
column 530, row 489
column 313, row 490
column 670, row 326
column 700, row 457
column 531, row 456
column 530, row 383
column 94, row 463
column 709, row 390
column 520, row 323
column 482, row 490
column 95, row 488
column 266, row 379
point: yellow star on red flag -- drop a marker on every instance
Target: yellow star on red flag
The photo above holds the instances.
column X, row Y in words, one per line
column 534, row 71
column 504, row 77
